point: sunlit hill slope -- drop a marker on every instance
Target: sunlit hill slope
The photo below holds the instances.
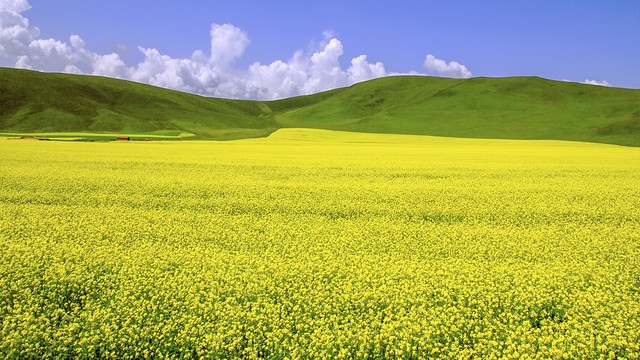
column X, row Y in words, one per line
column 506, row 108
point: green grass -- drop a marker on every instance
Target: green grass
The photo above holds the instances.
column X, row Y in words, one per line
column 505, row 108
column 34, row 102
column 502, row 108
column 157, row 135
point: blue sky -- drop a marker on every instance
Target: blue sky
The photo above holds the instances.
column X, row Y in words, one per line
column 274, row 49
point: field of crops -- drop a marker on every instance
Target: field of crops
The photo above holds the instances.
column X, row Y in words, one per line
column 319, row 244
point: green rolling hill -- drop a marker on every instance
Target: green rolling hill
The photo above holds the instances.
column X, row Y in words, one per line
column 502, row 108
column 505, row 108
column 35, row 102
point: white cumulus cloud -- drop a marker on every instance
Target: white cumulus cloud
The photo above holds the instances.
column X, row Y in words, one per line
column 15, row 31
column 210, row 72
column 361, row 70
column 452, row 69
column 15, row 5
column 228, row 43
column 596, row 82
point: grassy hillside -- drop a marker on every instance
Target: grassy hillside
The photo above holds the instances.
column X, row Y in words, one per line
column 504, row 108
column 44, row 102
column 507, row 108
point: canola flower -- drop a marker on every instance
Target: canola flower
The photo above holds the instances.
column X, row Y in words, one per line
column 313, row 244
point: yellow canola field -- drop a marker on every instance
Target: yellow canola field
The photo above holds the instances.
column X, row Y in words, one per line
column 313, row 244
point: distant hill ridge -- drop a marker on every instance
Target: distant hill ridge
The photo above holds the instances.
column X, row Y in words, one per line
column 504, row 108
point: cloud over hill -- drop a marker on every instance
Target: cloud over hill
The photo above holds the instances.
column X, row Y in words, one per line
column 208, row 73
column 452, row 69
column 211, row 73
